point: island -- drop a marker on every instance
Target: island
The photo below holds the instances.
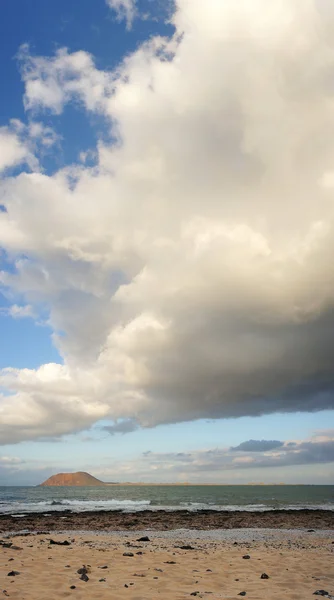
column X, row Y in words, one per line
column 79, row 479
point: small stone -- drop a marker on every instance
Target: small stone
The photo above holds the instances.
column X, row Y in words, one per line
column 125, row 585
column 320, row 593
column 128, row 554
column 246, row 556
column 242, row 594
column 13, row 573
column 84, row 577
column 73, row 587
column 186, row 547
column 104, row 567
column 82, row 571
column 103, row 579
column 264, row 576
column 170, row 562
column 145, row 538
column 194, row 593
column 55, row 543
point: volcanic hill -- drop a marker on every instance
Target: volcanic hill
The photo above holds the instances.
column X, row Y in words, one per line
column 73, row 479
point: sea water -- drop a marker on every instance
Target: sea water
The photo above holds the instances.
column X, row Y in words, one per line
column 134, row 498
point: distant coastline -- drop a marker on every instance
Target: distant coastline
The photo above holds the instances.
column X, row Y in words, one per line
column 83, row 479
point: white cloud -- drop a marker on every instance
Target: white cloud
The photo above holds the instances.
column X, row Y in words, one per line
column 190, row 270
column 51, row 82
column 8, row 461
column 20, row 143
column 12, row 151
column 21, row 312
column 125, row 9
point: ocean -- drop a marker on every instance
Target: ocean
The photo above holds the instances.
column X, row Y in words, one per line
column 21, row 500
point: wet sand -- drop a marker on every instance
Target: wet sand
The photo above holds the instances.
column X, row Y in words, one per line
column 281, row 564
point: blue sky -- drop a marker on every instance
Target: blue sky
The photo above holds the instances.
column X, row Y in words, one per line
column 165, row 243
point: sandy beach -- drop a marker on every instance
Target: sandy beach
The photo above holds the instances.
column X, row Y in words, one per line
column 289, row 564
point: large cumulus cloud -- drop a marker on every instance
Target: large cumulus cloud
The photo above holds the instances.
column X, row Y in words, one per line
column 189, row 273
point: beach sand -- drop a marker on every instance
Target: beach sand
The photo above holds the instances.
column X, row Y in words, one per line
column 297, row 564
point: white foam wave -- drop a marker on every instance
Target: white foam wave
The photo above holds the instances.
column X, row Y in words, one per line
column 130, row 506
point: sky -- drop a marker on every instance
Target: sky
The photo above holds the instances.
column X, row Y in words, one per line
column 166, row 240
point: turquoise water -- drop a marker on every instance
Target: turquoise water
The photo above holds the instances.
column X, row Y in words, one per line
column 16, row 500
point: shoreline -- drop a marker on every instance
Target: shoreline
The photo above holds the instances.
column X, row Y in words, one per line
column 162, row 520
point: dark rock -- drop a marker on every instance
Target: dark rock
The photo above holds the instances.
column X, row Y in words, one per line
column 242, row 594
column 311, row 531
column 145, row 538
column 103, row 579
column 187, row 547
column 125, row 585
column 13, row 573
column 6, row 544
column 128, row 554
column 194, row 593
column 140, row 553
column 82, row 571
column 170, row 562
column 55, row 543
column 208, row 571
column 104, row 567
column 73, row 587
column 84, row 577
column 246, row 556
column 320, row 593
column 264, row 576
